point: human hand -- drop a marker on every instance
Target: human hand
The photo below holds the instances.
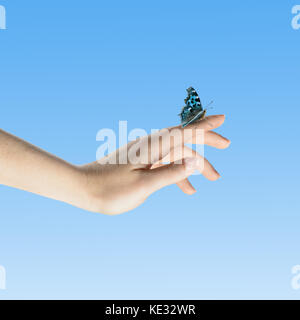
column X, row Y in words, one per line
column 111, row 187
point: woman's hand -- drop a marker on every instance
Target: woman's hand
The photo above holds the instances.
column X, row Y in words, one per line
column 113, row 188
column 118, row 182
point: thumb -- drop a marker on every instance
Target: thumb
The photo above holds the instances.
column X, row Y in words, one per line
column 171, row 173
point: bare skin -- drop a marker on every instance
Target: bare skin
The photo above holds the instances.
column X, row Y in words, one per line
column 106, row 188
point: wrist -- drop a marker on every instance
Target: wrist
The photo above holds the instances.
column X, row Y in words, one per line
column 77, row 193
column 87, row 194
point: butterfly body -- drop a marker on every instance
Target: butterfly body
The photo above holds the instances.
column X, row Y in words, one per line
column 193, row 109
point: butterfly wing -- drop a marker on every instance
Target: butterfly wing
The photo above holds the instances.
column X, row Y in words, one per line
column 193, row 109
column 193, row 100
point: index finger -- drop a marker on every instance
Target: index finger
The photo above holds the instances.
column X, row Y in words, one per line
column 163, row 141
column 208, row 123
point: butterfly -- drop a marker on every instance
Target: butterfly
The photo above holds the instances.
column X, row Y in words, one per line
column 193, row 109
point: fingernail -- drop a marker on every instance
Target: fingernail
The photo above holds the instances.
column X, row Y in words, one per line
column 217, row 176
column 228, row 141
column 190, row 164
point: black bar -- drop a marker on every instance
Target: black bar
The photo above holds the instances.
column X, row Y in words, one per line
column 155, row 309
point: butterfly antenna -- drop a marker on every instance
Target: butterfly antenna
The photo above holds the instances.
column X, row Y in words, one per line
column 207, row 107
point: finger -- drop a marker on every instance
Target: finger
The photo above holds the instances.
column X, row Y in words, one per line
column 169, row 174
column 186, row 186
column 181, row 152
column 160, row 143
column 214, row 139
column 208, row 123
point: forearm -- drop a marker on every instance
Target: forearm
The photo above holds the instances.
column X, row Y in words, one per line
column 29, row 168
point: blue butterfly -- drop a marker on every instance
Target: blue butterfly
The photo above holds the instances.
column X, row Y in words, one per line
column 193, row 109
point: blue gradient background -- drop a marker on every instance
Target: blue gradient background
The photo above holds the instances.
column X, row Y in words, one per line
column 70, row 68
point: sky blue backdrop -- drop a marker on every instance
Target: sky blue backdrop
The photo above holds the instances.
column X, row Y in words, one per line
column 70, row 68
